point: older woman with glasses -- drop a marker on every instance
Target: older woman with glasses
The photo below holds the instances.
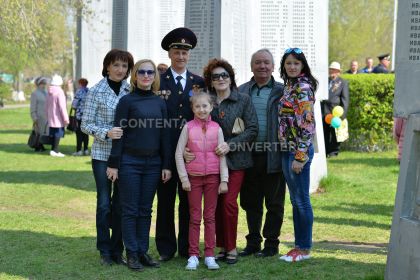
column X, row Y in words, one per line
column 139, row 159
column 236, row 115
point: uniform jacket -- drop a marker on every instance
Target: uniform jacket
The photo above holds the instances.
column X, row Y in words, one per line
column 273, row 157
column 39, row 112
column 380, row 69
column 338, row 94
column 56, row 107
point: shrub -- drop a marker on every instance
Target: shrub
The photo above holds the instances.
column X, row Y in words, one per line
column 5, row 91
column 370, row 112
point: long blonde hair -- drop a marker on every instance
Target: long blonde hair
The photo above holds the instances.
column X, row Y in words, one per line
column 133, row 79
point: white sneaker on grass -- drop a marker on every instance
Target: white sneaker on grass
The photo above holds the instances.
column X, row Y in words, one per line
column 86, row 153
column 58, row 154
column 192, row 263
column 211, row 263
column 77, row 154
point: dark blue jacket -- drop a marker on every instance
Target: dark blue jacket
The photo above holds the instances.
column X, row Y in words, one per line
column 273, row 157
column 178, row 105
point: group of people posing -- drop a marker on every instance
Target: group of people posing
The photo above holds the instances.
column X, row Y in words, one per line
column 179, row 133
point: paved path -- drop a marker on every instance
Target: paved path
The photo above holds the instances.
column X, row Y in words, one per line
column 14, row 106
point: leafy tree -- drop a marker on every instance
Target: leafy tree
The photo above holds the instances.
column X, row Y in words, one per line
column 36, row 35
column 359, row 29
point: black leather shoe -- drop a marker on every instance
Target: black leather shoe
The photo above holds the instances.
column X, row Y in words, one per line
column 165, row 258
column 106, row 260
column 134, row 264
column 118, row 259
column 248, row 251
column 267, row 252
column 147, row 260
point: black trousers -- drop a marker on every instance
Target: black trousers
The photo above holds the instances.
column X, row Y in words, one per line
column 166, row 242
column 330, row 139
column 81, row 137
column 258, row 187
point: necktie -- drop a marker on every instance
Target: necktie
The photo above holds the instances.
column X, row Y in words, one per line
column 178, row 84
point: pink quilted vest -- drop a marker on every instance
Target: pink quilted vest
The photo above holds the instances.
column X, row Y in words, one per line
column 202, row 141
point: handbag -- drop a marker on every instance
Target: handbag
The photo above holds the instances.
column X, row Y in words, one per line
column 45, row 139
column 33, row 140
column 73, row 123
column 342, row 132
column 238, row 126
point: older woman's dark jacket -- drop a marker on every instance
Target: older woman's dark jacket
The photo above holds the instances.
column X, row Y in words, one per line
column 237, row 105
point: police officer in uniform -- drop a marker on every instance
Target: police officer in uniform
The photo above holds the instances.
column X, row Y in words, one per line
column 176, row 85
column 382, row 67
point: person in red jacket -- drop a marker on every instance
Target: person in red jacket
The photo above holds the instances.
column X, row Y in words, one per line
column 207, row 174
column 398, row 132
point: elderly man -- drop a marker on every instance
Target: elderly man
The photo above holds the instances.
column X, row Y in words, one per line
column 264, row 181
column 383, row 65
column 338, row 95
column 179, row 81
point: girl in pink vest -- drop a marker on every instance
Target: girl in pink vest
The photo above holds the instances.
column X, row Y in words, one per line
column 207, row 174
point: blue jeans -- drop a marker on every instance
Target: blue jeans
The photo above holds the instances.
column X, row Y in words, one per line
column 139, row 177
column 108, row 212
column 299, row 184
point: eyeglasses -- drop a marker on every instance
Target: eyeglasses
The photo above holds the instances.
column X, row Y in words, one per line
column 142, row 72
column 216, row 77
column 295, row 50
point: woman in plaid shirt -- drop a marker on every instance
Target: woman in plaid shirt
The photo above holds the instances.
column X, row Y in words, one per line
column 98, row 120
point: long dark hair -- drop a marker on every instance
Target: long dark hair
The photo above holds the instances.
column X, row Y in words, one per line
column 305, row 70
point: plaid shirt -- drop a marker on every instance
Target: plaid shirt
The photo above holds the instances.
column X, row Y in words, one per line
column 98, row 116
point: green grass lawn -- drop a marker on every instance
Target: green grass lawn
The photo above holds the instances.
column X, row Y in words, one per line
column 47, row 219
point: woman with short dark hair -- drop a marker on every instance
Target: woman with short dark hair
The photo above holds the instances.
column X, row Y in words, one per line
column 97, row 120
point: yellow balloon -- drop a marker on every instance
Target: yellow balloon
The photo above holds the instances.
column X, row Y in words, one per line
column 338, row 111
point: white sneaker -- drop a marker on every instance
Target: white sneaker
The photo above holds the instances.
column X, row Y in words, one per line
column 86, row 152
column 54, row 154
column 192, row 263
column 77, row 154
column 211, row 263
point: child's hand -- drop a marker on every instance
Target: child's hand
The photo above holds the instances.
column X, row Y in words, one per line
column 223, row 188
column 186, row 186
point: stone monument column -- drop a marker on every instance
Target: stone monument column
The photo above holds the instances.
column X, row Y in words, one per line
column 404, row 248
